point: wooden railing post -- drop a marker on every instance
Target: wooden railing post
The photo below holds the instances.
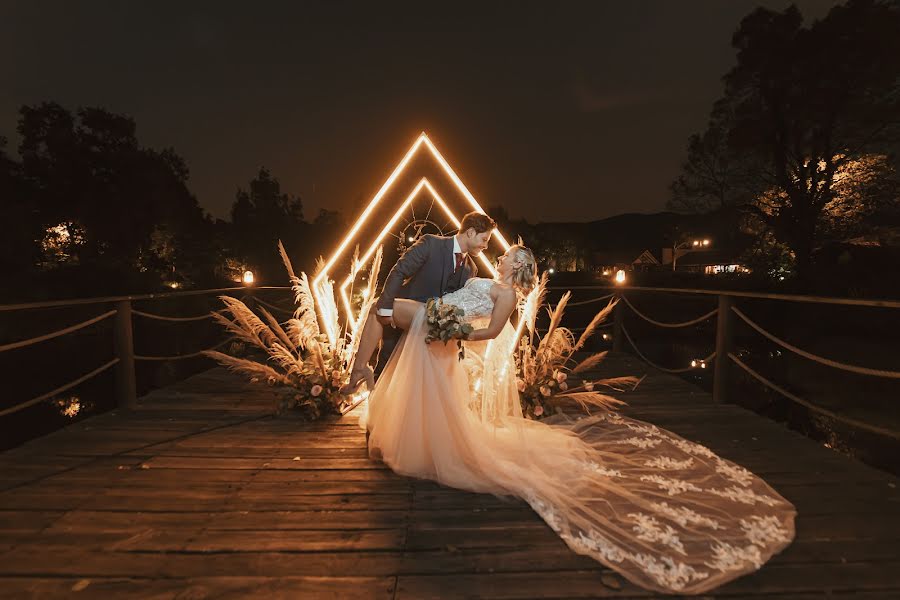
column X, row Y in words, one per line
column 126, row 387
column 618, row 320
column 724, row 341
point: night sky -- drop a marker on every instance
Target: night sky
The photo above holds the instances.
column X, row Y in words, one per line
column 558, row 113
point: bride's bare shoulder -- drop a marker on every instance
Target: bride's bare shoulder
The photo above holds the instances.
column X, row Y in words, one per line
column 502, row 290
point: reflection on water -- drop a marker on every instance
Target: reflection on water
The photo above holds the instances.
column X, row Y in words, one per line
column 70, row 406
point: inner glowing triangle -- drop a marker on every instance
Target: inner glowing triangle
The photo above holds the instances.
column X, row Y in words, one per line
column 342, row 255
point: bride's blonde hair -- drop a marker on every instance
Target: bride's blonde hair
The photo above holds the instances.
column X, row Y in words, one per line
column 524, row 276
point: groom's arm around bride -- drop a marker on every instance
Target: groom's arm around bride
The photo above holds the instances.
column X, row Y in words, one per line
column 403, row 271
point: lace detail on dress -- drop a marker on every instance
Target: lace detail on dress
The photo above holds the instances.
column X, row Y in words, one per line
column 667, row 513
column 474, row 298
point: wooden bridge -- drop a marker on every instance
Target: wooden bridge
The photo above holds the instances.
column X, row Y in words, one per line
column 201, row 492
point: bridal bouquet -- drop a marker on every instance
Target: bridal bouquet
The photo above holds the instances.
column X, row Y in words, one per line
column 544, row 363
column 305, row 359
column 444, row 324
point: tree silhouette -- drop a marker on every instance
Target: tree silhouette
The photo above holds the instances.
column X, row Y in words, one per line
column 18, row 244
column 802, row 106
column 261, row 216
column 87, row 172
column 712, row 177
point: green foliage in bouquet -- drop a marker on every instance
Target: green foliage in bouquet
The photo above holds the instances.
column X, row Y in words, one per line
column 544, row 363
column 303, row 363
column 444, row 324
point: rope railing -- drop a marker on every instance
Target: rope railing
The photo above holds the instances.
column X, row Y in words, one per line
column 183, row 356
column 814, row 357
column 56, row 334
column 699, row 319
column 59, row 390
column 708, row 359
column 590, row 301
column 174, row 319
column 273, row 307
column 818, row 409
column 123, row 333
column 132, row 298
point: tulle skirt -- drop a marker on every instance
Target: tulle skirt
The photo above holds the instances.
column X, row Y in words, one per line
column 666, row 513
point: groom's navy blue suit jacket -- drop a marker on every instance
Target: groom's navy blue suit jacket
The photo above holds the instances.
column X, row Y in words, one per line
column 424, row 271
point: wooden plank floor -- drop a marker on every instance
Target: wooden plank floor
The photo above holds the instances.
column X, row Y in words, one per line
column 201, row 493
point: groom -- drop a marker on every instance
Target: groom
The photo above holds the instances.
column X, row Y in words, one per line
column 433, row 266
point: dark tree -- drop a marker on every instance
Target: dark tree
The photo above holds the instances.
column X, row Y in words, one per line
column 712, row 177
column 114, row 205
column 19, row 249
column 803, row 108
column 261, row 216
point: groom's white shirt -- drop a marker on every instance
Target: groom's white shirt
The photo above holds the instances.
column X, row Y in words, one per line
column 387, row 312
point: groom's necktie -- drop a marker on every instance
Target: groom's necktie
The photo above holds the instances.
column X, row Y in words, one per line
column 460, row 259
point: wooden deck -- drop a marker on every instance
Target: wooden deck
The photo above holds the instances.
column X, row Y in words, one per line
column 201, row 493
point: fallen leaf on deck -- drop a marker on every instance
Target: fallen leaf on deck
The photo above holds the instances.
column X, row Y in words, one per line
column 610, row 581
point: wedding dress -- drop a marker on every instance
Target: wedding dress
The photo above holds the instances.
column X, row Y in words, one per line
column 666, row 513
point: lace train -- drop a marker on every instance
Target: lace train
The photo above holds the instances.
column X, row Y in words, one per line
column 666, row 513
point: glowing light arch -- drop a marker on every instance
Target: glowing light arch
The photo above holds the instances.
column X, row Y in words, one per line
column 422, row 140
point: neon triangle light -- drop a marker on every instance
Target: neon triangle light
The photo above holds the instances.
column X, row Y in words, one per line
column 424, row 184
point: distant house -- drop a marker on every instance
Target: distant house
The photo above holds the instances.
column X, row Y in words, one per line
column 709, row 262
column 607, row 262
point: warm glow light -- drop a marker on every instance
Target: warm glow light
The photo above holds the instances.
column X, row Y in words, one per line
column 363, row 218
column 365, row 294
column 620, row 277
column 423, row 184
column 248, row 277
column 551, row 270
column 706, row 242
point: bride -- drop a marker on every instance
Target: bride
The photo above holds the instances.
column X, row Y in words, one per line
column 666, row 513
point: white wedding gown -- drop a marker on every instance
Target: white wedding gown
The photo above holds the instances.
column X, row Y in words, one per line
column 666, row 513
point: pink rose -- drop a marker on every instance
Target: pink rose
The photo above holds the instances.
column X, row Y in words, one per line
column 520, row 385
column 563, row 386
column 545, row 391
column 589, row 386
column 560, row 377
column 316, row 390
column 538, row 410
